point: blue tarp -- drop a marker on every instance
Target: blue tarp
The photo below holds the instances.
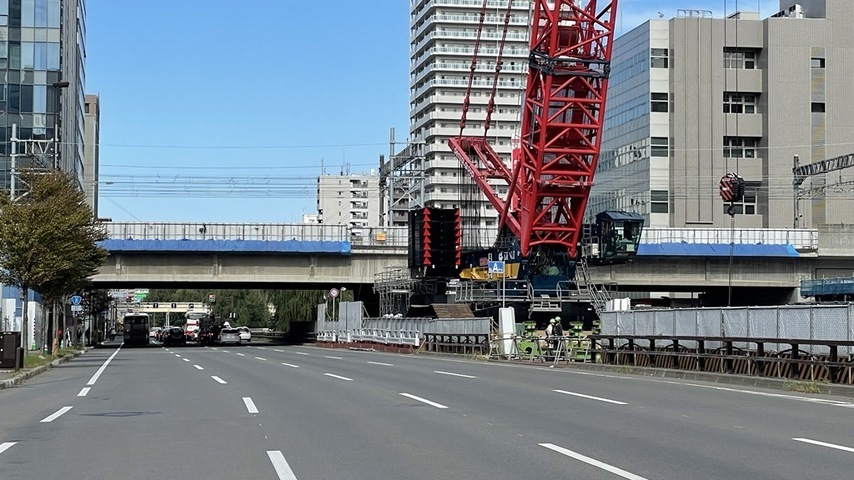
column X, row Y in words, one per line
column 237, row 246
column 715, row 250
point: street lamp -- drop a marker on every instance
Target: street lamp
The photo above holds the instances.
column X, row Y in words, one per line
column 57, row 86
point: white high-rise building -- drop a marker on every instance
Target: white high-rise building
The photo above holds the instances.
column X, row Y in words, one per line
column 442, row 39
column 351, row 200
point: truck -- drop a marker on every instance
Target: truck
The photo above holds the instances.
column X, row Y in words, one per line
column 191, row 325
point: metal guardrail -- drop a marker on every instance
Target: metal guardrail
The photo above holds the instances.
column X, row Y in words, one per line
column 674, row 352
column 806, row 239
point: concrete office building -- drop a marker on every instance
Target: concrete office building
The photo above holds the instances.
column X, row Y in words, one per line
column 442, row 37
column 91, row 150
column 351, row 200
column 43, row 46
column 694, row 97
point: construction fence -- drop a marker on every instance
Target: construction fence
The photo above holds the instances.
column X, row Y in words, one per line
column 806, row 322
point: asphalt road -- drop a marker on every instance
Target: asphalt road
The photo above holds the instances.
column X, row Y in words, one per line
column 268, row 412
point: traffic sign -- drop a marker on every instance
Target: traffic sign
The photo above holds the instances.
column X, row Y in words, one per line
column 333, row 292
column 76, row 308
column 496, row 268
column 191, row 306
column 76, row 300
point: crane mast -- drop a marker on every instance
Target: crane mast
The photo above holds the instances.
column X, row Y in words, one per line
column 561, row 132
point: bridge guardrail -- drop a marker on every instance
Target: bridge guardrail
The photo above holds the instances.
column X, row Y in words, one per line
column 723, row 355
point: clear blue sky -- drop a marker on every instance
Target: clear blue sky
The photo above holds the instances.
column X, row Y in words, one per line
column 256, row 91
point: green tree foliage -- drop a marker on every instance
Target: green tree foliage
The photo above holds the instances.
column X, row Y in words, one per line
column 294, row 306
column 48, row 238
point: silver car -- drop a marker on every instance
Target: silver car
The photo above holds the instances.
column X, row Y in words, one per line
column 229, row 336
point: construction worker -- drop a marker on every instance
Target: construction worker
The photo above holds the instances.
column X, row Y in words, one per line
column 557, row 329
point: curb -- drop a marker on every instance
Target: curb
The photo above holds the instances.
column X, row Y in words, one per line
column 772, row 383
column 19, row 378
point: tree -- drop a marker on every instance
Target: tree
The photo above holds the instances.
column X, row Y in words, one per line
column 48, row 239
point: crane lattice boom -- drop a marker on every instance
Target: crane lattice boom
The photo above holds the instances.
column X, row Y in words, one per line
column 550, row 182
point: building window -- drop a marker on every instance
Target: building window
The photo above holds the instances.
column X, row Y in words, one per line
column 659, row 202
column 658, row 58
column 739, row 102
column 659, row 102
column 739, row 58
column 817, row 62
column 747, row 206
column 659, row 147
column 740, row 147
column 817, row 107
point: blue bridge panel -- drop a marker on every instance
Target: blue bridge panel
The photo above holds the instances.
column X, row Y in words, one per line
column 236, row 246
column 715, row 250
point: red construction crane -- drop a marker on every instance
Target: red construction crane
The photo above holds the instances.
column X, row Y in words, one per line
column 550, row 181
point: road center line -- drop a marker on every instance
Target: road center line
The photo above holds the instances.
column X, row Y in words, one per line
column 290, row 365
column 590, row 397
column 825, row 444
column 242, row 355
column 333, row 358
column 250, row 405
column 5, row 446
column 186, row 360
column 259, row 358
column 56, row 415
column 83, row 392
column 103, row 367
column 453, row 374
column 198, row 367
column 218, row 379
column 423, row 400
column 179, row 356
column 283, row 470
column 593, row 462
column 339, row 377
column 381, row 363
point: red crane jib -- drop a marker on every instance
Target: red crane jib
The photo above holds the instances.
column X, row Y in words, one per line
column 550, row 183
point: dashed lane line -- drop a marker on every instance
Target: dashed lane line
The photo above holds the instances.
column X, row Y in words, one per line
column 339, row 377
column 283, row 470
column 452, row 374
column 198, row 367
column 56, row 415
column 218, row 379
column 591, row 397
column 103, row 367
column 381, row 363
column 6, row 446
column 290, row 365
column 83, row 392
column 825, row 444
column 332, row 357
column 424, row 400
column 259, row 358
column 250, row 405
column 593, row 462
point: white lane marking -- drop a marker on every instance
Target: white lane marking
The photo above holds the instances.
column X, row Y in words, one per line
column 213, row 348
column 333, row 358
column 83, row 392
column 56, row 415
column 423, row 400
column 339, row 377
column 590, row 397
column 290, row 365
column 242, row 355
column 179, row 356
column 453, row 374
column 225, row 351
column 5, row 446
column 381, row 363
column 103, row 367
column 259, row 358
column 218, row 379
column 198, row 367
column 301, row 353
column 825, row 444
column 592, row 461
column 250, row 405
column 277, row 350
column 166, row 349
column 261, row 348
column 186, row 360
column 283, row 470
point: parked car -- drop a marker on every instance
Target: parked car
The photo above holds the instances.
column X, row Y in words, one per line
column 245, row 334
column 229, row 336
column 174, row 336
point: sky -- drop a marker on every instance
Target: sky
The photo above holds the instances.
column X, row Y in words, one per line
column 223, row 111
